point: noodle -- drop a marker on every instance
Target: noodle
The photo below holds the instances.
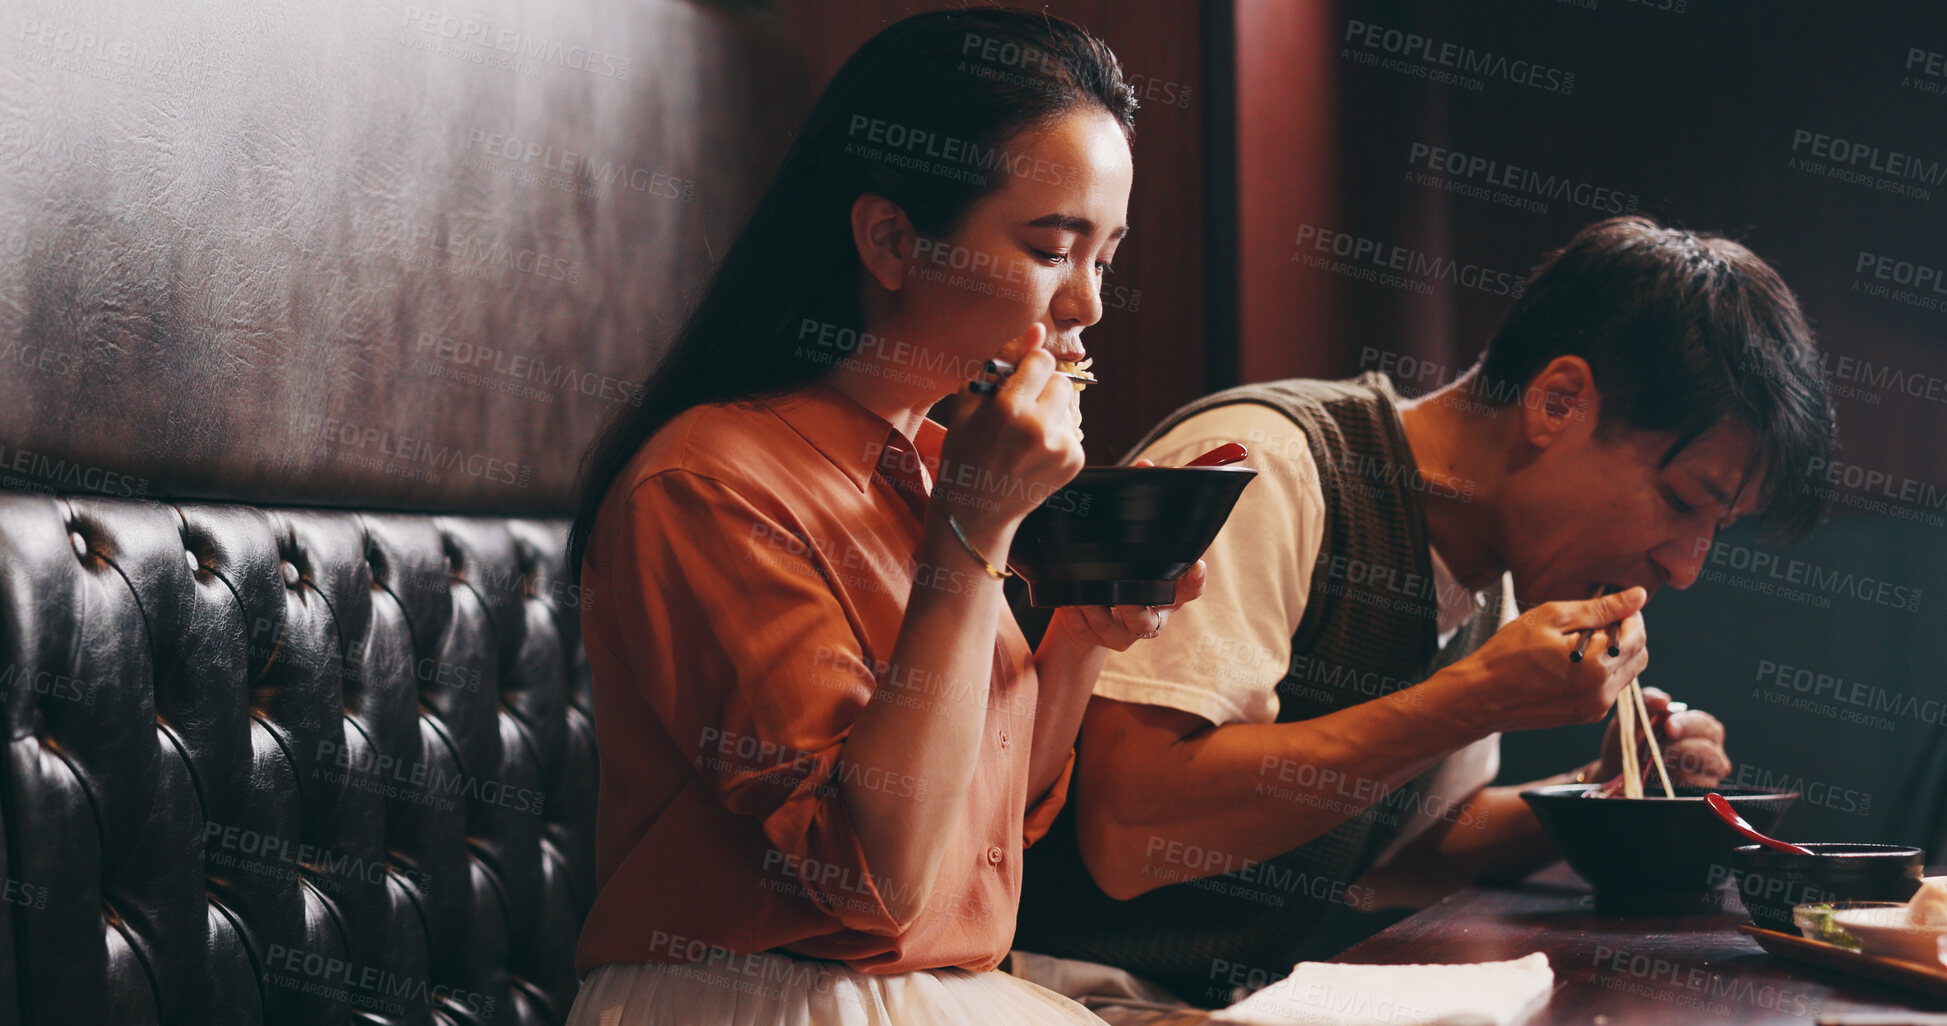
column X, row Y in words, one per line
column 1077, row 367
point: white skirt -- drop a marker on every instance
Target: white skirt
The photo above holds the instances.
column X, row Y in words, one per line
column 775, row 990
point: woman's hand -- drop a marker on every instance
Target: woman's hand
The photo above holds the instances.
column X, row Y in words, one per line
column 1006, row 452
column 1118, row 627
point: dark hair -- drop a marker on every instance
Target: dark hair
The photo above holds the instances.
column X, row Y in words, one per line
column 1683, row 332
column 922, row 115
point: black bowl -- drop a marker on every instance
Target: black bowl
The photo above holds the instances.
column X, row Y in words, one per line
column 1121, row 536
column 1655, row 855
column 1771, row 881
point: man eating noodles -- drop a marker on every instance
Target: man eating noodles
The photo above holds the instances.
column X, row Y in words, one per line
column 1321, row 737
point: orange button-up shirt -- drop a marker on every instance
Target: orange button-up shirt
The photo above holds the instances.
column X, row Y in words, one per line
column 746, row 580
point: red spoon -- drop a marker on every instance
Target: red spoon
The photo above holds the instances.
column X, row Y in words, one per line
column 1222, row 456
column 1729, row 815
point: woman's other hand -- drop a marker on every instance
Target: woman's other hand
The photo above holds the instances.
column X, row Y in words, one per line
column 1118, row 627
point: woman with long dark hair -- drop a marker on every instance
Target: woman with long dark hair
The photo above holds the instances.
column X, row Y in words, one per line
column 824, row 740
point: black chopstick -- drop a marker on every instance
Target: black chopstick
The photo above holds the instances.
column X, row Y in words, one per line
column 1582, row 647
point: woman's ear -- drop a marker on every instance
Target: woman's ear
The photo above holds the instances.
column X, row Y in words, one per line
column 884, row 238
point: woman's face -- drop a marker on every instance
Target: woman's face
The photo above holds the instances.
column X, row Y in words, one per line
column 1034, row 249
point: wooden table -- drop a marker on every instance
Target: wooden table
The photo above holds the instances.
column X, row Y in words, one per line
column 1622, row 971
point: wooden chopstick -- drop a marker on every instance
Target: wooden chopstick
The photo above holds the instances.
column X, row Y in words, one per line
column 1005, row 370
column 1630, row 711
column 1635, row 690
column 1626, row 719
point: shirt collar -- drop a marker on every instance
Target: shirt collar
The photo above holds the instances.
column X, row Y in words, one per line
column 1456, row 604
column 848, row 435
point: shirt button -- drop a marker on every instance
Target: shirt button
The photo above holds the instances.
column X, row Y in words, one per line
column 994, row 855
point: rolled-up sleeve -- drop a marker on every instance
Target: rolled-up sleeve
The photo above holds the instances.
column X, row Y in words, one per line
column 1042, row 811
column 751, row 664
column 1225, row 654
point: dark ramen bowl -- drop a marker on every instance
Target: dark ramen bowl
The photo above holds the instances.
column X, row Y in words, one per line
column 1654, row 855
column 1770, row 882
column 1118, row 536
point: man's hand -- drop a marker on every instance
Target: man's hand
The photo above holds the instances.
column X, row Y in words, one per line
column 1523, row 678
column 1692, row 742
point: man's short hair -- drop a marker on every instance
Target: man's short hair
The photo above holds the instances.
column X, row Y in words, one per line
column 1683, row 332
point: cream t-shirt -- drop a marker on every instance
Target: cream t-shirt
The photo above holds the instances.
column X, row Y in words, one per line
column 1224, row 654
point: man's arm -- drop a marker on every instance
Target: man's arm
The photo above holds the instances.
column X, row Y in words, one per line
column 1154, row 783
column 1164, row 796
column 1493, row 836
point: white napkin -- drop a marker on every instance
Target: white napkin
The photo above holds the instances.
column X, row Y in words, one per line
column 1332, row 994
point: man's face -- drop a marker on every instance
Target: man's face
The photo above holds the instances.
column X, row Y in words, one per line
column 1584, row 510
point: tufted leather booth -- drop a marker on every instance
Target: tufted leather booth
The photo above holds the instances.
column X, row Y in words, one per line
column 283, row 765
column 288, row 766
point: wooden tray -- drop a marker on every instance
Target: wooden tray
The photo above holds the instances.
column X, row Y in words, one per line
column 1911, row 975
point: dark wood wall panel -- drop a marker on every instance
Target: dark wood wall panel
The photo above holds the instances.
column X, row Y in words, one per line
column 376, row 254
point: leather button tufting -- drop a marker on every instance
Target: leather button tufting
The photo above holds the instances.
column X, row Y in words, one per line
column 209, row 706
